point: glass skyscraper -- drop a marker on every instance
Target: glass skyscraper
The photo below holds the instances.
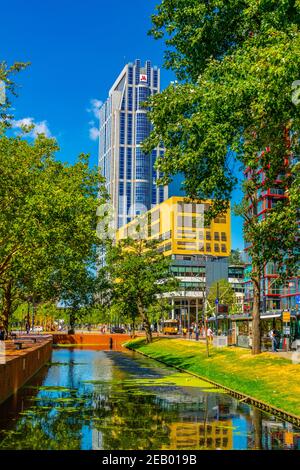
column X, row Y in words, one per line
column 130, row 174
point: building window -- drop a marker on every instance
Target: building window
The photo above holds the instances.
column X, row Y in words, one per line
column 220, row 220
column 223, row 237
column 217, row 248
column 143, row 95
column 217, row 236
column 130, row 99
column 130, row 75
column 142, row 194
column 208, row 247
column 161, row 194
column 155, row 78
column 121, row 163
column 223, row 248
column 142, row 165
column 129, row 129
column 208, row 236
column 142, row 128
column 129, row 164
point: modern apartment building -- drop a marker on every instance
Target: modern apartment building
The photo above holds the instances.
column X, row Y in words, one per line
column 236, row 280
column 130, row 174
column 199, row 252
column 274, row 297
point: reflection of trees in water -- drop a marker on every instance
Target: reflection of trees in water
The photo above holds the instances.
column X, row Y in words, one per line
column 10, row 410
column 257, row 428
column 43, row 427
column 132, row 419
column 50, row 421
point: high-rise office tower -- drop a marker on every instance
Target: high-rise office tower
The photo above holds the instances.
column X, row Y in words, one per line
column 130, row 174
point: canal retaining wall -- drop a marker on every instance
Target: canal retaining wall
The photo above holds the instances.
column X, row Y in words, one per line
column 20, row 366
column 99, row 341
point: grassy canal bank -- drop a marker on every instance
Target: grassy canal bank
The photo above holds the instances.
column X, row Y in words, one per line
column 267, row 378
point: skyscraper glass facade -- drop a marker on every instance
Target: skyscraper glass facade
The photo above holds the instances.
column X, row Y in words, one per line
column 124, row 125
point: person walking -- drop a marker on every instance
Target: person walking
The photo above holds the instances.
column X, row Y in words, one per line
column 272, row 335
column 197, row 331
column 27, row 327
column 210, row 334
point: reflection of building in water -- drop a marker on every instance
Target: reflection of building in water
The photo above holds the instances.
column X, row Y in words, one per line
column 279, row 435
column 97, row 440
column 103, row 367
column 192, row 436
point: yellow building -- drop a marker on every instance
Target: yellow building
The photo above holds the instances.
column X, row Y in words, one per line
column 199, row 436
column 179, row 224
column 199, row 253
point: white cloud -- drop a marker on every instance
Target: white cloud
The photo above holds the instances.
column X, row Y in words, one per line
column 38, row 127
column 94, row 109
column 94, row 133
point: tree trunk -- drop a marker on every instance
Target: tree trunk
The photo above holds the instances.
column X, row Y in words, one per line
column 7, row 304
column 257, row 428
column 146, row 323
column 71, row 330
column 256, row 334
column 148, row 331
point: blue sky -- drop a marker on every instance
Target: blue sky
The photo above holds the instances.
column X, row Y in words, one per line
column 76, row 50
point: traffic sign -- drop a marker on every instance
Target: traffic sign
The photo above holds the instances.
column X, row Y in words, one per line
column 298, row 299
column 216, row 301
column 286, row 317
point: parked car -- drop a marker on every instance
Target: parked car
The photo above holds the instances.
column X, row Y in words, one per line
column 117, row 329
column 37, row 328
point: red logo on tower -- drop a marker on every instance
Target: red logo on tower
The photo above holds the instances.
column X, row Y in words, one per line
column 143, row 77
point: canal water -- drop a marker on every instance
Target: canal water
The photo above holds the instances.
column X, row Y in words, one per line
column 87, row 399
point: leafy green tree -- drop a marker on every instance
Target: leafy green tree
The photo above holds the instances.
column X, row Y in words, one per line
column 235, row 257
column 47, row 222
column 222, row 291
column 139, row 276
column 7, row 89
column 236, row 109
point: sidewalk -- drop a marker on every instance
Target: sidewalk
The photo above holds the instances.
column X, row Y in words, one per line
column 9, row 351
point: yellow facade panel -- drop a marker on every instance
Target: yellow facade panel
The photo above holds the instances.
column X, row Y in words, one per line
column 179, row 224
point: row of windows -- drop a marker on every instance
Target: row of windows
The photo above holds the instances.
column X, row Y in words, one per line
column 142, row 193
column 142, row 165
column 200, row 235
column 202, row 247
column 188, row 271
column 192, row 286
column 142, row 128
column 164, row 248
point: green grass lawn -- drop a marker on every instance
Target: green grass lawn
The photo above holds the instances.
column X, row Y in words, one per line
column 273, row 380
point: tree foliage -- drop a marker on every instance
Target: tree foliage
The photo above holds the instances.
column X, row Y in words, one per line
column 234, row 111
column 8, row 88
column 48, row 240
column 139, row 276
column 223, row 291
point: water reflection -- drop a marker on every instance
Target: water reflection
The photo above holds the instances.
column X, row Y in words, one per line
column 116, row 400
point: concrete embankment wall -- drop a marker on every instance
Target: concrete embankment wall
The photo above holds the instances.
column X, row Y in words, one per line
column 21, row 366
column 97, row 341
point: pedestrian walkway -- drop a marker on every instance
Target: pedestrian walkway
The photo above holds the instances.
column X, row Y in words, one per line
column 9, row 348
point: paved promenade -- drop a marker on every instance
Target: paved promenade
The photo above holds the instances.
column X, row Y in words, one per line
column 9, row 349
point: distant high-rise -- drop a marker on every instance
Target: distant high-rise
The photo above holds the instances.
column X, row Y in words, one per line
column 130, row 174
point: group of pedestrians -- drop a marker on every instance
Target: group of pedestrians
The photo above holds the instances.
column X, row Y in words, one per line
column 198, row 332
